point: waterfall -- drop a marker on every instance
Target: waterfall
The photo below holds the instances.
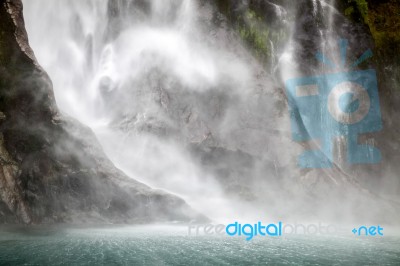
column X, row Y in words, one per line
column 112, row 63
column 180, row 102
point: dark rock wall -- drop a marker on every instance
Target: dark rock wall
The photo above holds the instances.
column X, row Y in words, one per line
column 51, row 167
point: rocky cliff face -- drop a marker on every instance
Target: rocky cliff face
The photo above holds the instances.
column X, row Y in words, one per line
column 52, row 168
column 235, row 129
column 239, row 133
column 366, row 25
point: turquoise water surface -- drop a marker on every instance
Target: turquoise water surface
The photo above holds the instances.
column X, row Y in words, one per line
column 162, row 245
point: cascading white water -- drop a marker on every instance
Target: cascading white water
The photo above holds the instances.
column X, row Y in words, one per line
column 156, row 79
column 127, row 68
column 71, row 40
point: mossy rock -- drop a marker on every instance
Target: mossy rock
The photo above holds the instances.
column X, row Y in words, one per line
column 262, row 33
column 383, row 21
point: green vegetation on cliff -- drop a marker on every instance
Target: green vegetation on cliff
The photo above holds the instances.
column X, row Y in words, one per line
column 254, row 28
column 382, row 18
column 383, row 21
column 256, row 34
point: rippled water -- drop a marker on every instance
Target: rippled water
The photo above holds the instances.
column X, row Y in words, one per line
column 173, row 246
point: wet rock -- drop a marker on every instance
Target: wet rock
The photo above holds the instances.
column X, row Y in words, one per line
column 52, row 169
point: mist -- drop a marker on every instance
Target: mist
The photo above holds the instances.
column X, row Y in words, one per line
column 179, row 102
